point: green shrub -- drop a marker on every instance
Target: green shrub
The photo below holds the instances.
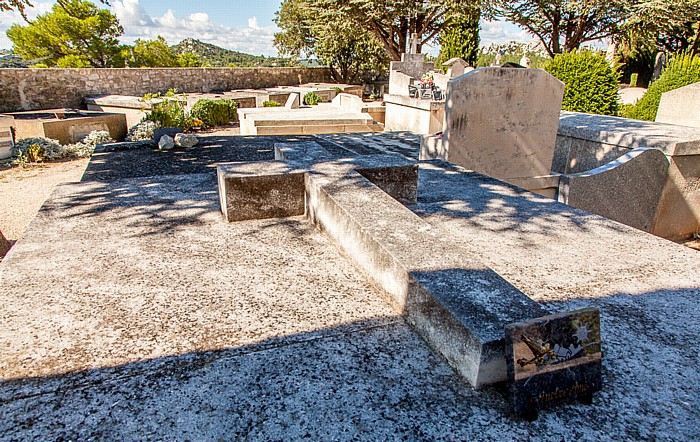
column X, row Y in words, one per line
column 311, row 99
column 215, row 112
column 271, row 104
column 591, row 86
column 682, row 70
column 169, row 113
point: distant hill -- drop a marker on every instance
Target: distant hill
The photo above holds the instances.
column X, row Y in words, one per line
column 9, row 59
column 212, row 55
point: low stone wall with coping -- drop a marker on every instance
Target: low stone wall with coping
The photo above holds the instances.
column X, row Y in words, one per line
column 29, row 89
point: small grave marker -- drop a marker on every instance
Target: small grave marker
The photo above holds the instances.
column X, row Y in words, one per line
column 553, row 358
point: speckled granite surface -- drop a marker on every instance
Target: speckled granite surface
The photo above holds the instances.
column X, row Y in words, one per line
column 131, row 311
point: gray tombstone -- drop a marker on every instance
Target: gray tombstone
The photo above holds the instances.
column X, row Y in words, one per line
column 680, row 106
column 455, row 67
column 503, row 122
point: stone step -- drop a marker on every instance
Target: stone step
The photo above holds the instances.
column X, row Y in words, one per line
column 316, row 129
column 312, row 121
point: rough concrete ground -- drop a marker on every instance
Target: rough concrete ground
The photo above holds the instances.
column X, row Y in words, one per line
column 133, row 311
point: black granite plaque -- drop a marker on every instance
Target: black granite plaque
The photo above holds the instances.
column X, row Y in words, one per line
column 553, row 358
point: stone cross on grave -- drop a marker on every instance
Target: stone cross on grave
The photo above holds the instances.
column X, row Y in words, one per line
column 459, row 305
column 415, row 43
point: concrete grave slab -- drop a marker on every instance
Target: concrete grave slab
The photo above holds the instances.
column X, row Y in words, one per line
column 613, row 190
column 166, row 322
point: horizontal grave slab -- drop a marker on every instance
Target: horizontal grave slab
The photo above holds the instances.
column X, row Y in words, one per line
column 459, row 305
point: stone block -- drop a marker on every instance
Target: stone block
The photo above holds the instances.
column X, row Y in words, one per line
column 413, row 114
column 260, row 190
column 453, row 300
column 455, row 67
column 680, row 106
column 292, row 101
column 614, row 190
column 503, row 122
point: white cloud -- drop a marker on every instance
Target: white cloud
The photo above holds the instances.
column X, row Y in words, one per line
column 253, row 23
column 130, row 13
column 9, row 18
column 138, row 24
column 500, row 32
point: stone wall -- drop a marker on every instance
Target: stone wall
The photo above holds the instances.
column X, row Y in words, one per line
column 28, row 89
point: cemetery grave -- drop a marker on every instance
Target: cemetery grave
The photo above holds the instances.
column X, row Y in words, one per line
column 144, row 314
column 65, row 125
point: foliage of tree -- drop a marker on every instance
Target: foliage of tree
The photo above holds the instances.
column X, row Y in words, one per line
column 21, row 5
column 74, row 30
column 156, row 53
column 682, row 69
column 347, row 50
column 564, row 25
column 591, row 86
column 671, row 25
column 460, row 37
column 391, row 22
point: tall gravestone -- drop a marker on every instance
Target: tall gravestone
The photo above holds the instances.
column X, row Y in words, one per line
column 680, row 106
column 503, row 122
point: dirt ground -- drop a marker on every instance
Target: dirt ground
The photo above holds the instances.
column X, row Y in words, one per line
column 24, row 190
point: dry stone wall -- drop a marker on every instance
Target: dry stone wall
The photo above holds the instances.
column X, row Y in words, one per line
column 27, row 89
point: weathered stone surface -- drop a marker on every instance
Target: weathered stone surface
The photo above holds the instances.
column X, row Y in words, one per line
column 589, row 141
column 166, row 142
column 292, row 102
column 67, row 130
column 680, row 106
column 669, row 138
column 503, row 122
column 324, row 118
column 24, row 89
column 455, row 67
column 413, row 114
column 459, row 306
column 614, row 190
column 186, row 140
column 166, row 322
column 349, row 103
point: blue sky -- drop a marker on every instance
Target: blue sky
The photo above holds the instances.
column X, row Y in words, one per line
column 239, row 25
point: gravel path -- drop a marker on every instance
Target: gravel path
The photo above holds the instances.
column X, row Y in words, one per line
column 24, row 190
